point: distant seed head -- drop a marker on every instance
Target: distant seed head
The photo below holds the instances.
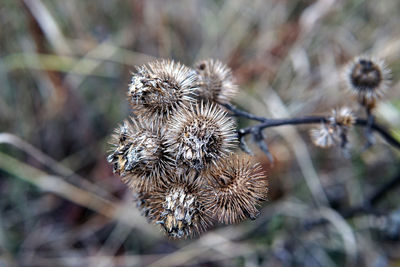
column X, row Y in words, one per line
column 367, row 78
column 342, row 116
column 159, row 88
column 139, row 155
column 325, row 135
column 216, row 81
column 178, row 208
column 236, row 188
column 200, row 135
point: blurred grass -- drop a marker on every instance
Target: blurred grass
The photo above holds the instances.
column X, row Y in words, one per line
column 64, row 70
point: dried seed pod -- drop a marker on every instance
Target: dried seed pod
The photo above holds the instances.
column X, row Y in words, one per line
column 216, row 81
column 160, row 88
column 342, row 116
column 367, row 78
column 236, row 187
column 325, row 135
column 178, row 207
column 139, row 156
column 200, row 135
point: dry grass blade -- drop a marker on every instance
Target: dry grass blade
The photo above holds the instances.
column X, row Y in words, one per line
column 55, row 166
column 49, row 26
column 300, row 149
column 54, row 184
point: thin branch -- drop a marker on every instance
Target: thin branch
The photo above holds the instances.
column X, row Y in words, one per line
column 68, row 174
column 368, row 129
column 241, row 113
column 369, row 124
column 280, row 122
column 367, row 206
column 381, row 130
column 267, row 123
column 259, row 139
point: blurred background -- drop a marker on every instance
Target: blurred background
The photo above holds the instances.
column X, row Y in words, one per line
column 64, row 71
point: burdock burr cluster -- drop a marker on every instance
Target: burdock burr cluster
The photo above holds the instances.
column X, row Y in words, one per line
column 177, row 151
column 366, row 79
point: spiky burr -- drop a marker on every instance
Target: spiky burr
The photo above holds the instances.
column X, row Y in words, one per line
column 367, row 78
column 177, row 207
column 160, row 87
column 200, row 135
column 216, row 82
column 342, row 116
column 236, row 187
column 139, row 155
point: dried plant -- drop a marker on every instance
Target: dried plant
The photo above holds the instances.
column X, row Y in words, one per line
column 139, row 154
column 343, row 116
column 334, row 130
column 181, row 163
column 171, row 155
column 216, row 81
column 63, row 80
column 199, row 136
column 367, row 78
column 325, row 135
column 178, row 206
column 158, row 89
column 236, row 188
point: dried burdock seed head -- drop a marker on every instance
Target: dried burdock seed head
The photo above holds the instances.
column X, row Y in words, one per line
column 178, row 208
column 367, row 78
column 236, row 187
column 342, row 116
column 200, row 136
column 325, row 135
column 160, row 88
column 138, row 155
column 216, row 81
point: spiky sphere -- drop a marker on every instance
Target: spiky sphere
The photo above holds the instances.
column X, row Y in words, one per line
column 200, row 136
column 342, row 116
column 367, row 78
column 325, row 135
column 216, row 81
column 177, row 207
column 159, row 88
column 236, row 187
column 139, row 156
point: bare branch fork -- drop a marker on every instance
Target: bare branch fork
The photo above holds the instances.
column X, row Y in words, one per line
column 368, row 123
column 256, row 130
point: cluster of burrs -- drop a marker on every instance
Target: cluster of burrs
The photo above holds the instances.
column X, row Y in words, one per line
column 176, row 151
column 366, row 79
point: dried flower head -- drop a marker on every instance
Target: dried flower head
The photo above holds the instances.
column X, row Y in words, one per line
column 325, row 135
column 342, row 116
column 236, row 188
column 178, row 207
column 159, row 88
column 139, row 155
column 200, row 135
column 367, row 78
column 175, row 154
column 216, row 81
